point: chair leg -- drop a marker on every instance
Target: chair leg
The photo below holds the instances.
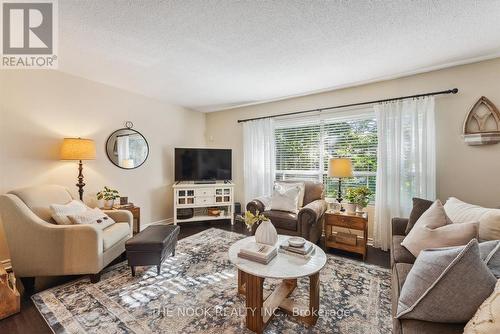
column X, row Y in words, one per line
column 28, row 284
column 158, row 269
column 95, row 278
column 133, row 270
column 173, row 252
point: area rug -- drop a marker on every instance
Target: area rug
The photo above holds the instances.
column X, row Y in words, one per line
column 196, row 293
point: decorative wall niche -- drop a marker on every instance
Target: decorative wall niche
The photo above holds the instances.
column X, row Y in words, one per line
column 482, row 124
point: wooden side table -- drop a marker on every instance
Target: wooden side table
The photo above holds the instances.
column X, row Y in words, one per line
column 352, row 222
column 136, row 213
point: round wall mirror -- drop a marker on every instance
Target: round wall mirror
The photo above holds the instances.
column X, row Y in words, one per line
column 127, row 148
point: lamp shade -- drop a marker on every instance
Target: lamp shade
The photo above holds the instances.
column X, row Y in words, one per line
column 339, row 167
column 77, row 149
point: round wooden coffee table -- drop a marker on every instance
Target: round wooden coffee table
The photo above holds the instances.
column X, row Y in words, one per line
column 288, row 268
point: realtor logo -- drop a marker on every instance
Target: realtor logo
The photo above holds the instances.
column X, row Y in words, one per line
column 29, row 34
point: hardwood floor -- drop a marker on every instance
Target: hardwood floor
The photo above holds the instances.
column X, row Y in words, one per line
column 29, row 321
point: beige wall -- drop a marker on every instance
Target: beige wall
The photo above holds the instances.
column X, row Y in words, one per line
column 470, row 173
column 39, row 108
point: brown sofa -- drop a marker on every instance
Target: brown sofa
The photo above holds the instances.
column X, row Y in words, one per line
column 401, row 262
column 307, row 223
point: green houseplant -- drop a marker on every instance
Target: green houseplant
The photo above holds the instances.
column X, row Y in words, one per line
column 108, row 195
column 358, row 197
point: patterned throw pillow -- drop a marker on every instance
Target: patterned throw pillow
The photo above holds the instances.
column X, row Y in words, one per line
column 92, row 216
column 446, row 285
column 487, row 318
column 60, row 212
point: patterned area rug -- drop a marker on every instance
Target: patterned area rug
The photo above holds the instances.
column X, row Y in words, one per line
column 196, row 293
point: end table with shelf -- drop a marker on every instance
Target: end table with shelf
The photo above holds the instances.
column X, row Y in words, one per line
column 136, row 214
column 357, row 222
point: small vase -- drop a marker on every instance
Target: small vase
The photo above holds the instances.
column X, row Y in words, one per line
column 108, row 204
column 266, row 234
column 359, row 209
column 350, row 208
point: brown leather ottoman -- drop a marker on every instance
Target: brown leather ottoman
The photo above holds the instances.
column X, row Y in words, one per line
column 151, row 246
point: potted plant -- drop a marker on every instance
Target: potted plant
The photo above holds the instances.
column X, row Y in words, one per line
column 358, row 197
column 350, row 196
column 108, row 195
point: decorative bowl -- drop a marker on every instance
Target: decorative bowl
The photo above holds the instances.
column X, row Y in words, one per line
column 296, row 241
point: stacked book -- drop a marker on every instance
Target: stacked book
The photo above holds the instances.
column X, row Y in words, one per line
column 304, row 251
column 258, row 252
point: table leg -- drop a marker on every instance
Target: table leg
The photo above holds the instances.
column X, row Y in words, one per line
column 254, row 301
column 241, row 282
column 313, row 299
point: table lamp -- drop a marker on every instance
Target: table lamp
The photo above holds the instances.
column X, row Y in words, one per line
column 78, row 149
column 340, row 168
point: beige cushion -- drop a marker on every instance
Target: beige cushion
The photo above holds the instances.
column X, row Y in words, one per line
column 462, row 212
column 114, row 233
column 60, row 212
column 92, row 216
column 286, row 196
column 487, row 318
column 39, row 199
column 434, row 229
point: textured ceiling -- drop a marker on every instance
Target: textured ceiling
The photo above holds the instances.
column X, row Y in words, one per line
column 209, row 55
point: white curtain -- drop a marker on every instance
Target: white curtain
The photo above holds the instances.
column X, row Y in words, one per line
column 123, row 149
column 406, row 161
column 258, row 160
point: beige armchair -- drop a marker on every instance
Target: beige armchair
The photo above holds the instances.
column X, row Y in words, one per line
column 39, row 247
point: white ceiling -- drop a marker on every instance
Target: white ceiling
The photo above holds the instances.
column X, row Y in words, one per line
column 210, row 55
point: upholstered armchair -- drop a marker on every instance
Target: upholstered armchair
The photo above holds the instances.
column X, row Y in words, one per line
column 39, row 247
column 307, row 223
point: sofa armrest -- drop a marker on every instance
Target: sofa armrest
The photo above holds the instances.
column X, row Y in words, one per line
column 399, row 226
column 310, row 219
column 259, row 204
column 120, row 216
column 313, row 211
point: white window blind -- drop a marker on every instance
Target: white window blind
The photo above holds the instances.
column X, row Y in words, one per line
column 304, row 145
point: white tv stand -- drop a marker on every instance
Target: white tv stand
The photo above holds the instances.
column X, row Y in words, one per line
column 201, row 196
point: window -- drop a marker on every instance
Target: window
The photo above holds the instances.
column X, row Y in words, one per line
column 304, row 146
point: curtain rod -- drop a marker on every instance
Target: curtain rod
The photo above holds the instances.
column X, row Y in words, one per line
column 449, row 91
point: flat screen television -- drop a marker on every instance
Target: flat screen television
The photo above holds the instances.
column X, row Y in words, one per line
column 202, row 164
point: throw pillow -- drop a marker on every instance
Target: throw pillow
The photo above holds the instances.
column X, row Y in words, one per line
column 286, row 197
column 446, row 285
column 419, row 207
column 487, row 318
column 434, row 229
column 92, row 216
column 292, row 184
column 490, row 253
column 462, row 212
column 60, row 212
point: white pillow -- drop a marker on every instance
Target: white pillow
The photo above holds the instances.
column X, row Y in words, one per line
column 60, row 212
column 286, row 197
column 489, row 219
column 435, row 230
column 302, row 186
column 92, row 216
